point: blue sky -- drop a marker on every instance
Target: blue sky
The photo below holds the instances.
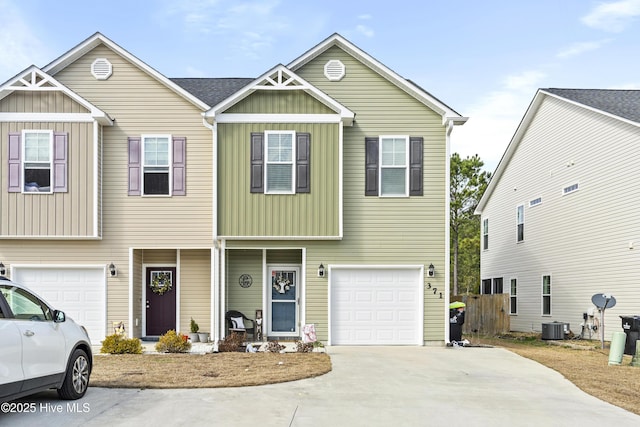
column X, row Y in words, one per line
column 485, row 59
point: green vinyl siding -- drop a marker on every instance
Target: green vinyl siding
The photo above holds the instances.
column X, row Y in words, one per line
column 382, row 231
column 245, row 300
column 242, row 213
column 280, row 102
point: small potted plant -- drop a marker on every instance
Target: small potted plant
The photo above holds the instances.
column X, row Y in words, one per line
column 193, row 336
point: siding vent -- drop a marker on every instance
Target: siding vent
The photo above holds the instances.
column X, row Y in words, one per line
column 334, row 70
column 101, row 69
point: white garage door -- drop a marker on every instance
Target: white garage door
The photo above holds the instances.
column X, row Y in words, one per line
column 371, row 306
column 79, row 292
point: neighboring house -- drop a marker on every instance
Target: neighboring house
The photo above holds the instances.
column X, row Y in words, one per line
column 232, row 191
column 560, row 216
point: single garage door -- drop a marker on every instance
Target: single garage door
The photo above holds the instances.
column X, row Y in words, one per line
column 376, row 306
column 79, row 292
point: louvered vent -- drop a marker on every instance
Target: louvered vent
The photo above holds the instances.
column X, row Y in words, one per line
column 334, row 70
column 101, row 69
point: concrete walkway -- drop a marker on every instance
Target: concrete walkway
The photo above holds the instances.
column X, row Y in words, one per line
column 369, row 386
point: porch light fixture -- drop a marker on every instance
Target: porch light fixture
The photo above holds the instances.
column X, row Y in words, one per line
column 3, row 270
column 321, row 271
column 431, row 271
column 112, row 270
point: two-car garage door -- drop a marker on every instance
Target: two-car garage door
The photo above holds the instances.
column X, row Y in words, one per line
column 79, row 292
column 376, row 306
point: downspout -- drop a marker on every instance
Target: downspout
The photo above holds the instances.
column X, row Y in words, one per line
column 215, row 259
column 447, row 230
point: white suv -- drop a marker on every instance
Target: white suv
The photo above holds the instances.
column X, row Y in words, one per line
column 40, row 348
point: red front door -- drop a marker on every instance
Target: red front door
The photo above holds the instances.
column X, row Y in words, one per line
column 160, row 300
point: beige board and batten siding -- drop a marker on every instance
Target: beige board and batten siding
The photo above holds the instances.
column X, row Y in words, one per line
column 56, row 215
column 246, row 214
column 580, row 239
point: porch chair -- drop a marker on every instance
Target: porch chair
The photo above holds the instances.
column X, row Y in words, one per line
column 237, row 323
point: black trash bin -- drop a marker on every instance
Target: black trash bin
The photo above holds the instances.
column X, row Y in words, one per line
column 631, row 327
column 456, row 320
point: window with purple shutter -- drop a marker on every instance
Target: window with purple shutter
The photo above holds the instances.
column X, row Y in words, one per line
column 149, row 169
column 134, row 166
column 60, row 162
column 179, row 166
column 37, row 161
column 14, row 162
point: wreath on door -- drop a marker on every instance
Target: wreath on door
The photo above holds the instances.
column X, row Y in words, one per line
column 282, row 284
column 161, row 282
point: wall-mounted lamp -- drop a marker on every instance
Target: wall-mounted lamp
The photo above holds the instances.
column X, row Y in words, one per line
column 432, row 270
column 112, row 270
column 3, row 270
column 321, row 270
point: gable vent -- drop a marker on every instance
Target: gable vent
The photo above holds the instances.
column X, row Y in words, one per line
column 101, row 69
column 334, row 70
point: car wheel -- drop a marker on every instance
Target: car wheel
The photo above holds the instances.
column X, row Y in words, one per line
column 76, row 379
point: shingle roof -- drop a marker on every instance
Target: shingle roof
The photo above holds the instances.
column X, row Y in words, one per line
column 212, row 90
column 622, row 103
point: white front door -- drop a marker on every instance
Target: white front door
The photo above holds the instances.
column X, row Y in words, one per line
column 284, row 294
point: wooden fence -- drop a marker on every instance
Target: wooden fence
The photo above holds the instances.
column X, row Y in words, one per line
column 485, row 314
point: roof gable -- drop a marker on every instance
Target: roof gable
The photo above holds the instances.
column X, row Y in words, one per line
column 36, row 80
column 97, row 39
column 623, row 105
column 447, row 113
column 281, row 78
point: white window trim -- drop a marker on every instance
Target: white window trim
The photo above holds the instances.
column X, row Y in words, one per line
column 144, row 165
column 550, row 295
column 566, row 193
column 535, row 202
column 23, row 160
column 406, row 165
column 485, row 232
column 519, row 221
column 267, row 162
column 513, row 296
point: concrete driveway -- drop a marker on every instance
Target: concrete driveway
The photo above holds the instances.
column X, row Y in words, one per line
column 369, row 386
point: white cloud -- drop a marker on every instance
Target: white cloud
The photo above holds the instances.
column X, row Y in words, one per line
column 580, row 48
column 494, row 119
column 613, row 16
column 365, row 31
column 20, row 47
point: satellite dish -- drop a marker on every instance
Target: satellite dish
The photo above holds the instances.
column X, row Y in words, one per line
column 603, row 300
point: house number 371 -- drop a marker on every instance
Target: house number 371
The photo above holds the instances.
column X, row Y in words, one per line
column 435, row 290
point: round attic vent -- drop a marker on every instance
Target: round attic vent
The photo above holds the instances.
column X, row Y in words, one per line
column 101, row 69
column 334, row 70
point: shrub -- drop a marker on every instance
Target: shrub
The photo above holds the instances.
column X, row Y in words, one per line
column 232, row 342
column 274, row 347
column 194, row 326
column 172, row 342
column 302, row 347
column 117, row 344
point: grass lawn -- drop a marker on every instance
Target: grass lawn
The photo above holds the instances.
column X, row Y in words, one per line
column 583, row 362
column 205, row 370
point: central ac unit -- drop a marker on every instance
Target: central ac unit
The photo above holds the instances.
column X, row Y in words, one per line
column 553, row 331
